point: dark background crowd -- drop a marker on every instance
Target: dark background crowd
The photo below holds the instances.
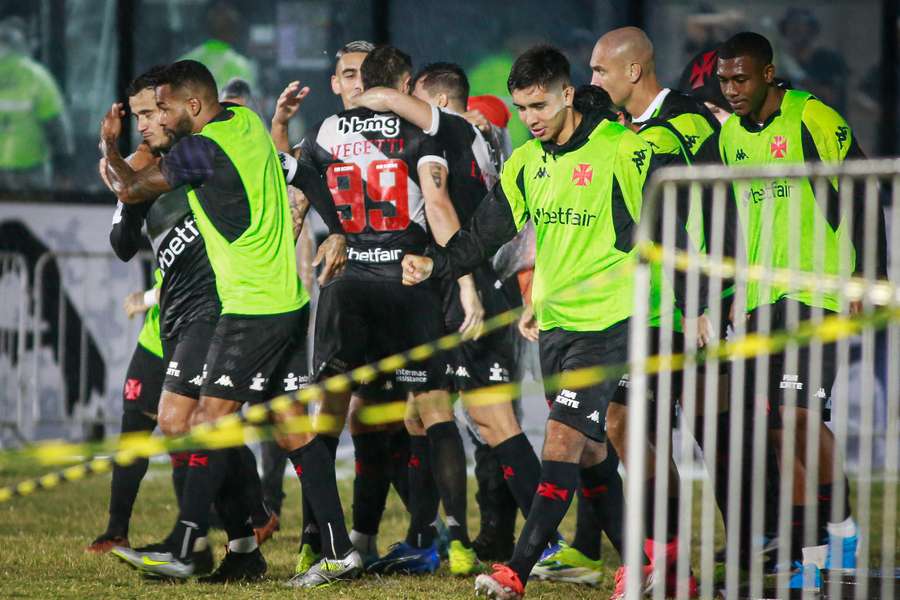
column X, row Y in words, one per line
column 63, row 61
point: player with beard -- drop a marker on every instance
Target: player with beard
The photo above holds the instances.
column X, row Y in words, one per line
column 381, row 452
column 389, row 183
column 581, row 181
column 773, row 126
column 439, row 99
column 238, row 200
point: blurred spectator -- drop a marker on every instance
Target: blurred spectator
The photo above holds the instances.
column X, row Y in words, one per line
column 224, row 24
column 868, row 96
column 706, row 27
column 238, row 91
column 34, row 128
column 817, row 70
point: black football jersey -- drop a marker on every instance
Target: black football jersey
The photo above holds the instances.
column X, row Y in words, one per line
column 370, row 163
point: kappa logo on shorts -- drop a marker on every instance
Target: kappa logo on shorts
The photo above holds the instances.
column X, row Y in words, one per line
column 461, row 371
column 498, row 373
column 259, row 383
column 199, row 379
column 132, row 389
column 411, row 376
column 449, row 370
column 173, row 369
column 225, row 381
column 594, row 416
column 822, row 394
column 293, row 382
column 790, row 382
column 567, row 398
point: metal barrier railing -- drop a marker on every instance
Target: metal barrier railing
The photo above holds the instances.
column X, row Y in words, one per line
column 72, row 417
column 14, row 303
column 756, row 493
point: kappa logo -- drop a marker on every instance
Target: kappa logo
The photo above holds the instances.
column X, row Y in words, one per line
column 841, row 134
column 292, row 382
column 790, row 382
column 449, row 370
column 568, row 398
column 173, row 369
column 821, row 394
column 542, row 173
column 638, row 159
column 552, row 491
column 199, row 379
column 582, row 175
column 132, row 389
column 779, row 146
column 461, row 371
column 691, row 140
column 498, row 373
column 594, row 416
column 258, row 382
column 386, row 125
column 741, row 155
column 225, row 381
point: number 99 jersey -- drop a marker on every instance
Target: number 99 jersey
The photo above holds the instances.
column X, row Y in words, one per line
column 370, row 162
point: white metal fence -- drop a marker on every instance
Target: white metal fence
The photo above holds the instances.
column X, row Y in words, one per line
column 738, row 381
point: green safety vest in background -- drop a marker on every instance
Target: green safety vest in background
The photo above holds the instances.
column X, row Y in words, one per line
column 256, row 274
column 780, row 218
column 224, row 63
column 29, row 97
column 582, row 281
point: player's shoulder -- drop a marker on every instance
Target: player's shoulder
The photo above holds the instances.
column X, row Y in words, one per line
column 816, row 114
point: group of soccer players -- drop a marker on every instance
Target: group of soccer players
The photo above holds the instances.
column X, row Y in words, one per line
column 417, row 200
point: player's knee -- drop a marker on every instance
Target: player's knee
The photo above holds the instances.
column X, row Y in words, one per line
column 173, row 424
column 414, row 426
column 562, row 442
column 594, row 453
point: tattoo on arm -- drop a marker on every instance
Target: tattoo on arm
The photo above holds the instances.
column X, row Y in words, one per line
column 437, row 175
column 134, row 187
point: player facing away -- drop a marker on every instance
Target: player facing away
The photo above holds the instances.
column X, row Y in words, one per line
column 773, row 126
column 381, row 451
column 440, row 94
column 239, row 203
column 584, row 200
column 388, row 180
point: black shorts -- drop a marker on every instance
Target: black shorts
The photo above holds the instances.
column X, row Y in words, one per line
column 185, row 358
column 143, row 382
column 653, row 391
column 383, row 389
column 489, row 360
column 253, row 358
column 361, row 321
column 585, row 408
column 797, row 381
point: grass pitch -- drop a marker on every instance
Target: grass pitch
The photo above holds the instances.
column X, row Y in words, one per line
column 42, row 540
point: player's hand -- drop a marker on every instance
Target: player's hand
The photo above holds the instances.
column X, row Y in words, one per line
column 142, row 157
column 416, row 269
column 334, row 252
column 134, row 304
column 478, row 120
column 528, row 326
column 374, row 99
column 111, row 127
column 473, row 323
column 704, row 330
column 856, row 307
column 289, row 102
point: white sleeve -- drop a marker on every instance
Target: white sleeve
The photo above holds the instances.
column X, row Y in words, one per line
column 435, row 121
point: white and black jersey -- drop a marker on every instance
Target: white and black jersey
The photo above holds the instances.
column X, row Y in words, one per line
column 188, row 291
column 370, row 163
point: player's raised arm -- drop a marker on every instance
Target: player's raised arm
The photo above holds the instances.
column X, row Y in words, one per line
column 132, row 187
column 286, row 107
column 384, row 99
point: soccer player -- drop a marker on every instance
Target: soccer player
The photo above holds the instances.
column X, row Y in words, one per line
column 439, row 97
column 580, row 181
column 389, row 183
column 381, row 451
column 140, row 397
column 240, row 208
column 774, row 126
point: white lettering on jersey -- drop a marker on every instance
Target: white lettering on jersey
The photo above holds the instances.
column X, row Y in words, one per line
column 385, row 124
column 375, row 255
column 182, row 237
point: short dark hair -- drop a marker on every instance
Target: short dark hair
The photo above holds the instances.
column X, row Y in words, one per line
column 384, row 66
column 148, row 79
column 190, row 74
column 542, row 66
column 590, row 98
column 354, row 46
column 445, row 77
column 747, row 43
